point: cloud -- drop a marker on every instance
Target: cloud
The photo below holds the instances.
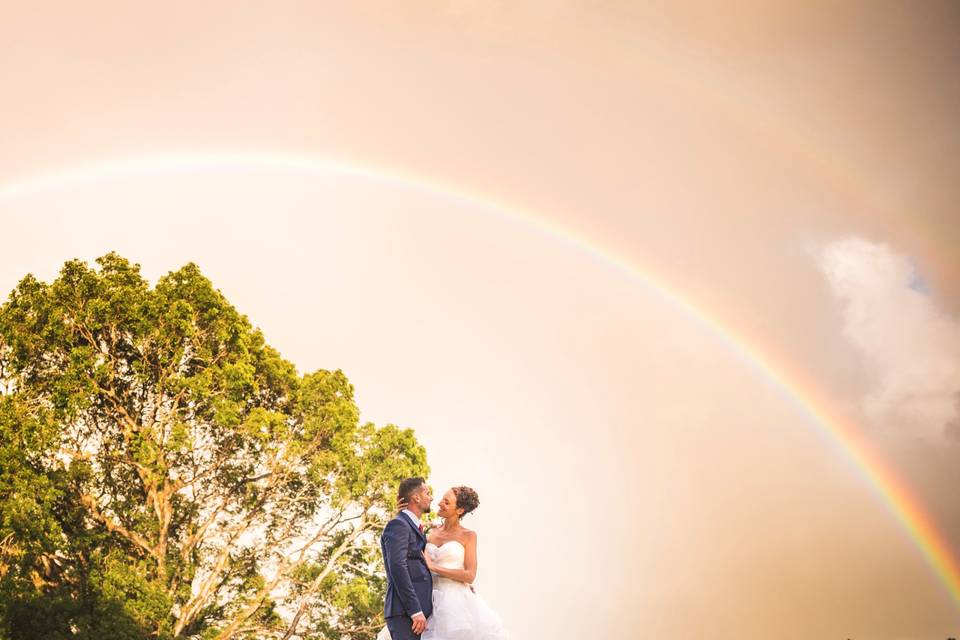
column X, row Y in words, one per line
column 911, row 348
column 953, row 427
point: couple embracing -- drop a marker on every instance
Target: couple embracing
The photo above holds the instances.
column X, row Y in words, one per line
column 430, row 593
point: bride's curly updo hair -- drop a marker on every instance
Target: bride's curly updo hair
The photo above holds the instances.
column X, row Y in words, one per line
column 467, row 499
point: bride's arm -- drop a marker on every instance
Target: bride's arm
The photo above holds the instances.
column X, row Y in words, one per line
column 469, row 572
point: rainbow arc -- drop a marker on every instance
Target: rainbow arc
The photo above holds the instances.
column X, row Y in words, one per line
column 802, row 392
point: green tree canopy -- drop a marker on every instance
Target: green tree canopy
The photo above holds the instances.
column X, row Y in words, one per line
column 165, row 473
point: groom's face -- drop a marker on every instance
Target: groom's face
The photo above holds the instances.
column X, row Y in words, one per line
column 424, row 498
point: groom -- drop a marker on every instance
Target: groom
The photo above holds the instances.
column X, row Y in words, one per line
column 409, row 599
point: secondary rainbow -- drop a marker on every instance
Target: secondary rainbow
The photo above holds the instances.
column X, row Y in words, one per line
column 708, row 92
column 796, row 387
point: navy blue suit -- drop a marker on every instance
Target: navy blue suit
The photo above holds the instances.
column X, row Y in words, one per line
column 409, row 583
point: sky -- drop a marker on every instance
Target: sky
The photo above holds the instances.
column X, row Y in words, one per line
column 475, row 210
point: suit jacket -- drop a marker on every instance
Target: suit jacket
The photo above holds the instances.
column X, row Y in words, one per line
column 409, row 582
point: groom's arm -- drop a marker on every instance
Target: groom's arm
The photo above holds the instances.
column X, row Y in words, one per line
column 397, row 546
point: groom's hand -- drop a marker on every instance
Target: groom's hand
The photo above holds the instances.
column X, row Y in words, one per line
column 419, row 623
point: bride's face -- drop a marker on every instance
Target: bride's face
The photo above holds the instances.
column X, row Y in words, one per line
column 448, row 505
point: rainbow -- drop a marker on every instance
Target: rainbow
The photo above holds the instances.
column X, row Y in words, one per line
column 700, row 86
column 802, row 392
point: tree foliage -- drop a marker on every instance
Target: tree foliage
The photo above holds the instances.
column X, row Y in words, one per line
column 165, row 473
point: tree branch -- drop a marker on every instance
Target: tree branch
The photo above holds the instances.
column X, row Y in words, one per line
column 113, row 526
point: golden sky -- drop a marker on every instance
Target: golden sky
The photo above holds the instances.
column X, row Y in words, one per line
column 791, row 167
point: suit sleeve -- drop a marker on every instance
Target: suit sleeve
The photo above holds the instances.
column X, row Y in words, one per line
column 396, row 544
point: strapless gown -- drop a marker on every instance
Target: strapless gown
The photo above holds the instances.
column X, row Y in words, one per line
column 458, row 612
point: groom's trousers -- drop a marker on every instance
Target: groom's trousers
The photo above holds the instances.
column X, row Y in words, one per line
column 401, row 628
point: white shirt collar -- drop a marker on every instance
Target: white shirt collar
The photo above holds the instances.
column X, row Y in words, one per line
column 412, row 516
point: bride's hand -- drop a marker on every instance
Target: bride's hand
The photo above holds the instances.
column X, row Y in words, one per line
column 402, row 504
column 426, row 558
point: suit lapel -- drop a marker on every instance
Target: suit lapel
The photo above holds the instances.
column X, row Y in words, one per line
column 416, row 530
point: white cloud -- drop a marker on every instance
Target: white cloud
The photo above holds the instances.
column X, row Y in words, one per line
column 911, row 348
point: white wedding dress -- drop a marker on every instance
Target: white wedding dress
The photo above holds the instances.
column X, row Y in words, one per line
column 458, row 612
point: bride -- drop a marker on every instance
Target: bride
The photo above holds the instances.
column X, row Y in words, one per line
column 451, row 554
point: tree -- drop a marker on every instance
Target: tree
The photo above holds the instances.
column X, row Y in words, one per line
column 164, row 473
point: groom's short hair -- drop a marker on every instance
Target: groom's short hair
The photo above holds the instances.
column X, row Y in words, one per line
column 409, row 487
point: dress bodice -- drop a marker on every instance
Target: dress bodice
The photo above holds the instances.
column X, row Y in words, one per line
column 449, row 555
column 458, row 612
